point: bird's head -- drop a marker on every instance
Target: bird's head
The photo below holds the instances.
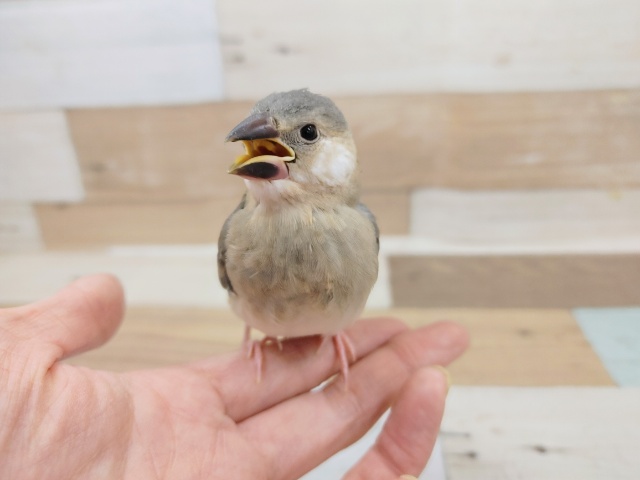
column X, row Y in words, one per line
column 295, row 141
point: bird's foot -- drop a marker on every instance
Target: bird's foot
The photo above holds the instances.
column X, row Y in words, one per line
column 345, row 351
column 253, row 350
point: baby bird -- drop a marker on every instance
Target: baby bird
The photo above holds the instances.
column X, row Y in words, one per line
column 299, row 255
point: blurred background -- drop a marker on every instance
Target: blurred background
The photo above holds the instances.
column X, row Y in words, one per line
column 500, row 150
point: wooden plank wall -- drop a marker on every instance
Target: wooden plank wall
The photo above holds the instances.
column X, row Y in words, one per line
column 477, row 128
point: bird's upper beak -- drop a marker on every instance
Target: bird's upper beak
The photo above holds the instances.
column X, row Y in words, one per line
column 266, row 155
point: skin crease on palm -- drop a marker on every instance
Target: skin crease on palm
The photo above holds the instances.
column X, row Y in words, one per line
column 210, row 419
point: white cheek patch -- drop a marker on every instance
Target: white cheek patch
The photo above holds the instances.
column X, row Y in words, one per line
column 334, row 164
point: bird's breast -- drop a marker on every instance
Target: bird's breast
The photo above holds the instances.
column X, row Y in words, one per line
column 300, row 263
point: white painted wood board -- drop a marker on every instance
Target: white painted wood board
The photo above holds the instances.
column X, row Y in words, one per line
column 182, row 275
column 19, row 230
column 534, row 220
column 147, row 279
column 75, row 53
column 37, row 159
column 542, row 433
column 361, row 47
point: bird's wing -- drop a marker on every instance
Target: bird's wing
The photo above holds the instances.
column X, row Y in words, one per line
column 222, row 248
column 371, row 217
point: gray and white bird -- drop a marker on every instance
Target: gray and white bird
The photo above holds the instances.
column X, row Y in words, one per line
column 299, row 255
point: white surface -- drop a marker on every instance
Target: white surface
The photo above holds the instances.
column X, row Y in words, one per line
column 37, row 159
column 542, row 433
column 63, row 53
column 184, row 275
column 558, row 221
column 339, row 464
column 148, row 280
column 362, row 47
column 19, row 228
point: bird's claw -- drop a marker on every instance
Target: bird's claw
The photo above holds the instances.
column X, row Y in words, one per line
column 344, row 350
column 253, row 350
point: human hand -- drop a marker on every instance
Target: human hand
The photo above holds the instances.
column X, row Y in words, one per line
column 209, row 419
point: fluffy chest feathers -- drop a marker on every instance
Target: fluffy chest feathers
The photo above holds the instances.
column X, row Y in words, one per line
column 291, row 266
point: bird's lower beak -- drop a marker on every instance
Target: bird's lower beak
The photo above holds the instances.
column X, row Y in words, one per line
column 265, row 154
column 265, row 158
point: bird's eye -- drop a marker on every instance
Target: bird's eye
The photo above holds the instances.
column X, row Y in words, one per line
column 309, row 132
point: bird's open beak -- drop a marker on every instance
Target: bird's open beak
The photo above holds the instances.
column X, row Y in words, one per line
column 266, row 155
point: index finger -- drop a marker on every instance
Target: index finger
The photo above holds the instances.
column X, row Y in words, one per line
column 319, row 424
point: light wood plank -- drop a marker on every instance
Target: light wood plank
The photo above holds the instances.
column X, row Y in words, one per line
column 391, row 208
column 416, row 46
column 487, row 141
column 95, row 225
column 527, row 218
column 542, row 433
column 538, row 140
column 157, row 153
column 498, row 140
column 508, row 347
column 19, row 229
column 515, row 281
column 518, row 347
column 37, row 159
column 108, row 52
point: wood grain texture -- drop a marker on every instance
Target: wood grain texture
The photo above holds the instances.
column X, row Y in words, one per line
column 93, row 225
column 37, row 158
column 97, row 224
column 157, row 153
column 542, row 140
column 552, row 218
column 498, row 140
column 508, row 347
column 519, row 347
column 488, row 141
column 108, row 52
column 157, row 337
column 417, row 46
column 515, row 281
column 541, row 433
column 19, row 230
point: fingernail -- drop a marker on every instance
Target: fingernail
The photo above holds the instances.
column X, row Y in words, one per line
column 446, row 374
column 407, row 477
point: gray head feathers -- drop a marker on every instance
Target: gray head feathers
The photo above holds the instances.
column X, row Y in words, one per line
column 302, row 104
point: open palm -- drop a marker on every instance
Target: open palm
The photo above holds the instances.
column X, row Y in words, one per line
column 209, row 419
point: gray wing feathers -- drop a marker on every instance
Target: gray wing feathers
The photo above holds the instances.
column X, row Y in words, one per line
column 222, row 248
column 367, row 213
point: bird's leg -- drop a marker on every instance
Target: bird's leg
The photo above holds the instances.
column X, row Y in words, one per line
column 344, row 350
column 253, row 351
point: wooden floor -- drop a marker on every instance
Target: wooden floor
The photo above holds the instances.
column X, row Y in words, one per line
column 509, row 347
